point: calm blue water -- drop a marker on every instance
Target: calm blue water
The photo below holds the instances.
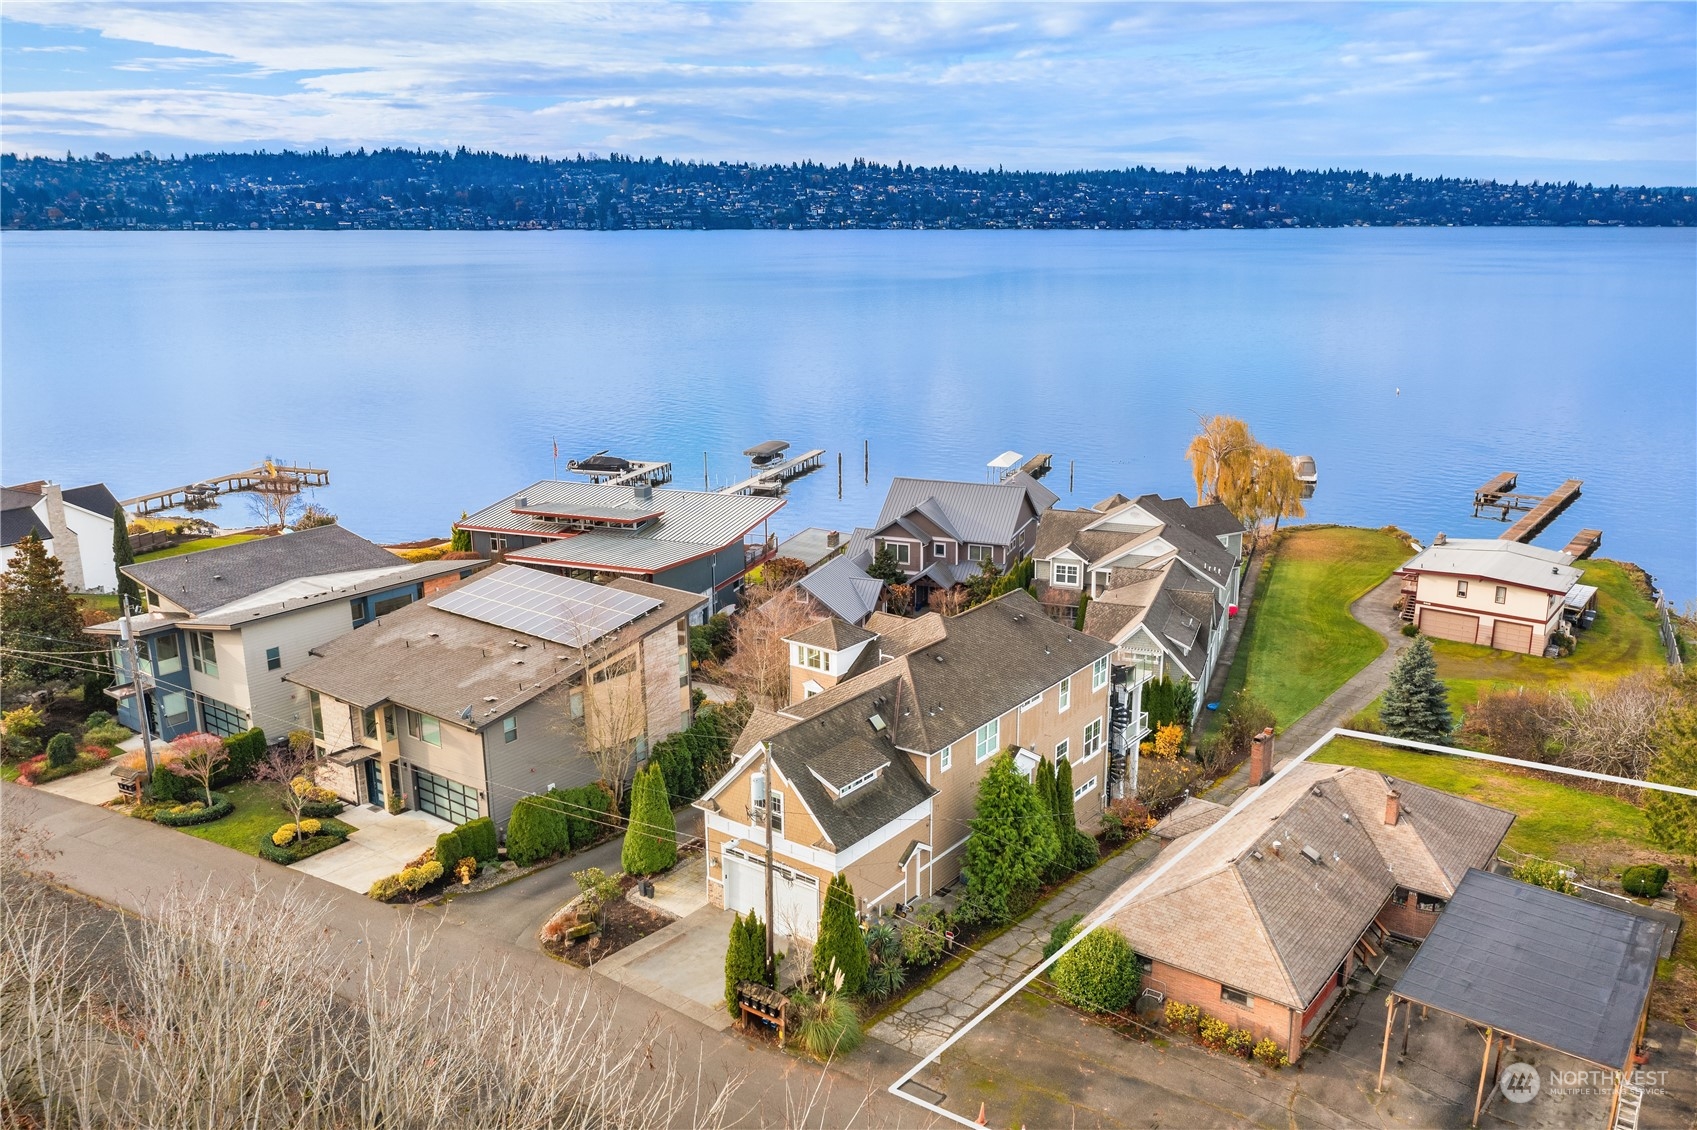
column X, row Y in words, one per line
column 432, row 371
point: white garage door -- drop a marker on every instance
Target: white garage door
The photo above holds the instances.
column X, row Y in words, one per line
column 1442, row 625
column 795, row 895
column 1509, row 636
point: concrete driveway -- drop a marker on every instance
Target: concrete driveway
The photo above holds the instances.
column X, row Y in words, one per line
column 383, row 845
column 681, row 966
column 96, row 786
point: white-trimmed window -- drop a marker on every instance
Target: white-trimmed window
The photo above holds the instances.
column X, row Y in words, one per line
column 939, row 549
column 988, row 739
column 1238, row 996
column 817, row 658
column 1065, row 693
column 1092, row 739
column 1062, row 748
column 1030, row 702
column 945, row 759
column 1502, row 594
column 859, row 782
column 203, row 656
column 497, row 543
column 1461, row 588
column 900, row 549
column 758, row 797
column 1099, row 674
column 1064, row 574
column 1084, row 790
column 980, row 552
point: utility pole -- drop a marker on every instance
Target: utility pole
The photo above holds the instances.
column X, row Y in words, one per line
column 866, row 460
column 766, row 814
column 140, row 695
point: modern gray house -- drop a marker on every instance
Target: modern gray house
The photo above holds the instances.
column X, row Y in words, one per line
column 691, row 540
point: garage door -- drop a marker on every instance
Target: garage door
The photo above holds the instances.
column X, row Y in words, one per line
column 447, row 799
column 1450, row 625
column 1510, row 636
column 795, row 894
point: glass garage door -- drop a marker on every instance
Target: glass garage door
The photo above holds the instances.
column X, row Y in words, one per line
column 439, row 796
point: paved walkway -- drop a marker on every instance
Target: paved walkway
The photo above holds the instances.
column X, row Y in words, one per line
column 382, row 846
column 95, row 786
column 1378, row 611
column 126, row 863
column 921, row 1025
column 1216, row 688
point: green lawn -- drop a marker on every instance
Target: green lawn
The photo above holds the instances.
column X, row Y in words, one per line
column 1300, row 643
column 106, row 602
column 1624, row 639
column 196, row 546
column 1592, row 831
column 258, row 814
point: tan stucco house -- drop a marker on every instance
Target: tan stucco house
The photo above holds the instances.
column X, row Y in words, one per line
column 1500, row 594
column 875, row 775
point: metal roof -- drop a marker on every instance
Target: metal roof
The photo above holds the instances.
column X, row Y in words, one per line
column 982, row 513
column 1547, row 967
column 1529, row 566
column 844, row 588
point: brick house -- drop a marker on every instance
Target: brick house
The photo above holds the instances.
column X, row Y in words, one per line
column 1264, row 924
column 876, row 775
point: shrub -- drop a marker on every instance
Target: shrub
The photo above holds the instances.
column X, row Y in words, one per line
column 97, row 718
column 840, row 951
column 538, row 830
column 323, row 811
column 284, row 836
column 386, row 888
column 61, row 750
column 1182, row 1017
column 1099, row 974
column 1213, row 1032
column 466, row 870
column 597, row 891
column 415, row 879
column 924, row 936
column 169, row 786
column 1013, row 842
column 1240, row 1041
column 1061, row 934
column 450, row 847
column 886, row 974
column 651, row 839
column 297, row 850
column 1169, row 740
column 1269, row 1053
column 1547, row 874
column 1409, row 630
column 310, row 827
column 395, row 805
column 1645, row 880
column 186, row 815
column 245, row 750
column 588, row 814
column 479, row 840
column 308, row 791
column 107, row 734
column 827, row 1022
column 745, row 958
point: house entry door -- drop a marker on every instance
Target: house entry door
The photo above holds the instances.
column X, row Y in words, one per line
column 374, row 781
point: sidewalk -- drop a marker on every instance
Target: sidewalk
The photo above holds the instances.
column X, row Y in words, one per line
column 125, row 862
column 921, row 1025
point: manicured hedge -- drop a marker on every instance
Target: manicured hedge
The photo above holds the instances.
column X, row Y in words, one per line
column 217, row 810
column 322, row 810
column 1645, row 880
column 588, row 810
column 246, row 750
column 296, row 852
column 172, row 787
column 477, row 837
column 1099, row 974
column 538, row 830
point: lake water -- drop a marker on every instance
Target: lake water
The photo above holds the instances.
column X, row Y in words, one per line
column 431, row 372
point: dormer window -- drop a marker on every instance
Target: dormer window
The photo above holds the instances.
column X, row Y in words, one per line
column 816, row 658
column 1066, row 575
column 858, row 783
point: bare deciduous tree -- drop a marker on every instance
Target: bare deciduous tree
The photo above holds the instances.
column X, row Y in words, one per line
column 760, row 665
column 279, row 768
column 1611, row 728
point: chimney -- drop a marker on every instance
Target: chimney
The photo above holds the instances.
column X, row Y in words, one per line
column 1393, row 807
column 1441, row 539
column 65, row 545
column 833, row 539
column 1261, row 758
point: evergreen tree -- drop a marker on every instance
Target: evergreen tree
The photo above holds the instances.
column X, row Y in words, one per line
column 1417, row 704
column 841, row 939
column 651, row 839
column 39, row 613
column 123, row 555
column 1673, row 818
column 461, row 540
column 61, row 750
column 1012, row 843
column 1078, row 849
column 884, row 567
column 745, row 958
column 1043, row 783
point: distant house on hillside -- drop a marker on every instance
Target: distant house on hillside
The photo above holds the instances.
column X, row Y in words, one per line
column 683, row 539
column 223, row 625
column 942, row 532
column 1501, row 594
column 1265, row 923
column 74, row 525
column 466, row 702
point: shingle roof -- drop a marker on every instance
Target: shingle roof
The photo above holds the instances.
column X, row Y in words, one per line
column 692, row 523
column 1193, row 815
column 440, row 663
column 986, row 513
column 1276, row 924
column 1211, row 520
column 16, row 522
column 94, row 498
column 1514, row 562
column 1548, row 967
column 832, row 634
column 212, row 578
column 843, row 587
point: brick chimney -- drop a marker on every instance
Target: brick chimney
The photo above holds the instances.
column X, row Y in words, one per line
column 1261, row 758
column 1393, row 807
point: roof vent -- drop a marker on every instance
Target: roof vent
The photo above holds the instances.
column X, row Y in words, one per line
column 877, row 721
column 434, row 635
column 491, row 698
column 1441, row 539
column 521, row 502
column 1256, row 855
column 938, row 658
column 1346, row 818
column 518, row 663
column 217, row 576
column 1310, row 855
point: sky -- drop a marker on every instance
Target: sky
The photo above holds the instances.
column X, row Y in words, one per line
column 1594, row 92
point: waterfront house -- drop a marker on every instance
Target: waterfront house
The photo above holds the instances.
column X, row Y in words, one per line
column 683, row 539
column 1266, row 921
column 1501, row 594
column 464, row 703
column 875, row 775
column 223, row 625
column 74, row 525
column 941, row 533
column 841, row 588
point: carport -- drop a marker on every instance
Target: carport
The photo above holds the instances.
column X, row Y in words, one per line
column 1525, row 963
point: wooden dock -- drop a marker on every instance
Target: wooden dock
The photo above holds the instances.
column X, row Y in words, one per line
column 1542, row 513
column 640, row 472
column 266, row 478
column 1038, row 465
column 772, row 480
column 1584, row 544
column 1493, row 491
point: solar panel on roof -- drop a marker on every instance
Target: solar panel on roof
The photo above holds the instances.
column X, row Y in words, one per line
column 559, row 609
